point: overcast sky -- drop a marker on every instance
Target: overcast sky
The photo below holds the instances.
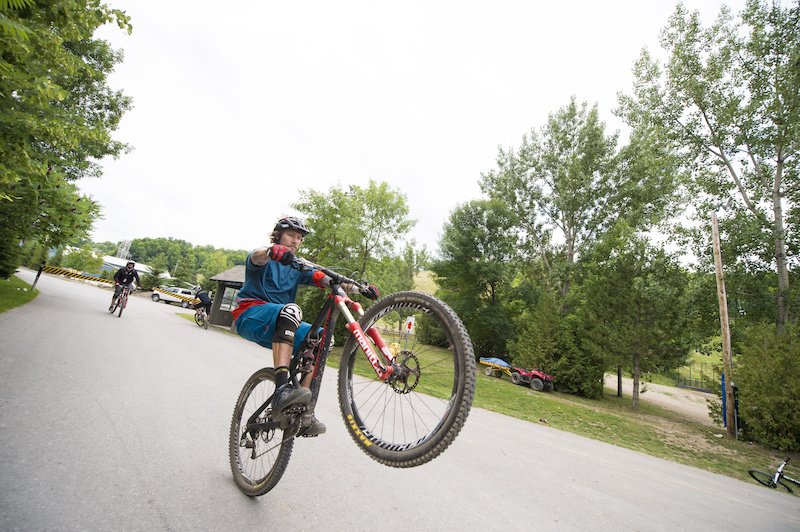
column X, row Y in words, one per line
column 238, row 106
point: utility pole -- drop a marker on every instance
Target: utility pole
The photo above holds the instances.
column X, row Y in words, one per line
column 726, row 331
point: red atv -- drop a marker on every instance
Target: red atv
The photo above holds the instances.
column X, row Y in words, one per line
column 537, row 380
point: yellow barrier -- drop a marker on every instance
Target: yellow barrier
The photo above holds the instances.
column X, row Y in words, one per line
column 179, row 296
column 76, row 275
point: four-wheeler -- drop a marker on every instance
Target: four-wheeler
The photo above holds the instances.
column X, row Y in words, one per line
column 536, row 379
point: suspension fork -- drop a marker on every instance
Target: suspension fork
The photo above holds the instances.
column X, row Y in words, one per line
column 382, row 370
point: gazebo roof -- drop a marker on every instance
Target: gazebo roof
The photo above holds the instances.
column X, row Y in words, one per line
column 233, row 276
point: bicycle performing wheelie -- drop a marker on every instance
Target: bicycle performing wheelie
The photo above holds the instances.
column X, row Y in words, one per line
column 121, row 302
column 406, row 383
column 773, row 480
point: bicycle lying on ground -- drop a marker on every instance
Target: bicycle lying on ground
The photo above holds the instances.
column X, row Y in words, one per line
column 406, row 383
column 771, row 480
column 121, row 302
column 200, row 317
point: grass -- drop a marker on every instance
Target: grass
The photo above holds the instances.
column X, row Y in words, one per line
column 15, row 293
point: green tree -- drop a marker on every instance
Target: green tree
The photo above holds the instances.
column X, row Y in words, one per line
column 729, row 95
column 635, row 305
column 56, row 117
column 356, row 226
column 559, row 182
column 153, row 279
column 185, row 271
column 83, row 259
column 768, row 380
column 477, row 247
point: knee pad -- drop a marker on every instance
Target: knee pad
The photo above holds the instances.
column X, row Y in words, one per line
column 286, row 324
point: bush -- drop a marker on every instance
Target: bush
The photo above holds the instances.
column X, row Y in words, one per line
column 767, row 375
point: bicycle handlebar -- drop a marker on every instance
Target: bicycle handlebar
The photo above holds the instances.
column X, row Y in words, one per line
column 336, row 278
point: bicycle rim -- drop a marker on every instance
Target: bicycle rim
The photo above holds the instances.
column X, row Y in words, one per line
column 409, row 421
column 259, row 460
column 762, row 478
column 198, row 319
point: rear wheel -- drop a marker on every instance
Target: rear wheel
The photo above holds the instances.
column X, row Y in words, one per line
column 516, row 378
column 198, row 319
column 416, row 413
column 155, row 297
column 258, row 457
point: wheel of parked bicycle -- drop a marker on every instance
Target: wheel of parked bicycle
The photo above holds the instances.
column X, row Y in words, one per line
column 258, row 457
column 767, row 479
column 415, row 414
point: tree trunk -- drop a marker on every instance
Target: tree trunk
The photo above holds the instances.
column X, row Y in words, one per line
column 780, row 260
column 619, row 381
column 635, row 404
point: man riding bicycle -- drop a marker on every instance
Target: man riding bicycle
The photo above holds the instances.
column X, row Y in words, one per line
column 205, row 300
column 124, row 279
column 267, row 313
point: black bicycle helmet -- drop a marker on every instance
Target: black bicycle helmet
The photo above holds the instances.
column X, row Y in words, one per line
column 291, row 222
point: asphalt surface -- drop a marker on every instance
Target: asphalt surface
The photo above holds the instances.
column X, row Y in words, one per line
column 111, row 423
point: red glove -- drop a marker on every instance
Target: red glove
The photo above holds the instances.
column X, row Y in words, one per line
column 281, row 254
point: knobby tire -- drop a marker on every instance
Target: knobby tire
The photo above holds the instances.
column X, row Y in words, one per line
column 767, row 479
column 121, row 304
column 409, row 421
column 256, row 476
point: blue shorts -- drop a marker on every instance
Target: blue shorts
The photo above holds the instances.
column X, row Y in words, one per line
column 257, row 324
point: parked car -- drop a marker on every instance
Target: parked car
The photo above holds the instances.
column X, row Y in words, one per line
column 173, row 294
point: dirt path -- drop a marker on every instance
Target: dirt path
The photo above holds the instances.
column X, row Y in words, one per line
column 688, row 403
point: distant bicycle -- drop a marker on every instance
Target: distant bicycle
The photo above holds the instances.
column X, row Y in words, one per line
column 200, row 317
column 774, row 480
column 121, row 302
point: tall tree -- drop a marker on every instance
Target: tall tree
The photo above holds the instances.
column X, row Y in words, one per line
column 56, row 117
column 635, row 300
column 730, row 96
column 559, row 182
column 355, row 226
column 477, row 248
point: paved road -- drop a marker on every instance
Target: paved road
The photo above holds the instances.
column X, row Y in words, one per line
column 113, row 423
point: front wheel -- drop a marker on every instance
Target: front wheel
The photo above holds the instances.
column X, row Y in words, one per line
column 415, row 414
column 122, row 302
column 258, row 457
column 536, row 384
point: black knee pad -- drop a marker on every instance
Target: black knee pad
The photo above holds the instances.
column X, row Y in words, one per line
column 286, row 324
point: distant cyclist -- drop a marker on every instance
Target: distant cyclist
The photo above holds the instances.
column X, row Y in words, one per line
column 124, row 278
column 205, row 300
